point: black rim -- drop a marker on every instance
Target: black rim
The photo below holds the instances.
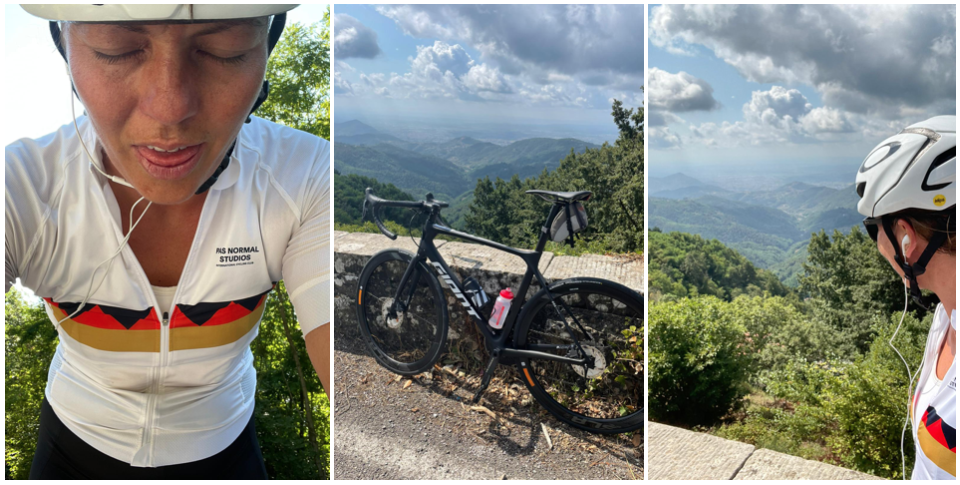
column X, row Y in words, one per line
column 403, row 341
column 608, row 394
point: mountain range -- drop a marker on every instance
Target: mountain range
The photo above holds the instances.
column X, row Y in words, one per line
column 770, row 226
column 449, row 169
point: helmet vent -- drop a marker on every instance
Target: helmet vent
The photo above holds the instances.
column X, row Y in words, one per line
column 947, row 156
column 879, row 155
column 861, row 187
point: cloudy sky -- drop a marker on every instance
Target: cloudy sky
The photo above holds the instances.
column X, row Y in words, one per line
column 783, row 83
column 539, row 64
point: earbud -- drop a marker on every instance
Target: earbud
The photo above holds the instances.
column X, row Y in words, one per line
column 903, row 245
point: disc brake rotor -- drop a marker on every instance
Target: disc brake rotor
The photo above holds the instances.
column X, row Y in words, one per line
column 599, row 363
column 393, row 323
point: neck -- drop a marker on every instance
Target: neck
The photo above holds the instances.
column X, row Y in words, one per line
column 941, row 278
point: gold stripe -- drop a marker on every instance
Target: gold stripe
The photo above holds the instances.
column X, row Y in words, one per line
column 200, row 337
column 110, row 339
column 937, row 453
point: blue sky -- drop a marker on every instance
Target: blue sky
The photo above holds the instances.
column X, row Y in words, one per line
column 468, row 65
column 778, row 85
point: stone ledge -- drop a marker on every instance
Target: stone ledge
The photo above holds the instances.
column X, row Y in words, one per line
column 679, row 454
column 771, row 465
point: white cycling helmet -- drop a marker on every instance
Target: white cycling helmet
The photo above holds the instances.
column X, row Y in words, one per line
column 168, row 13
column 156, row 13
column 912, row 172
column 914, row 169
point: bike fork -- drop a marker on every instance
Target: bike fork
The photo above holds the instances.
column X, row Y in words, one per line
column 487, row 375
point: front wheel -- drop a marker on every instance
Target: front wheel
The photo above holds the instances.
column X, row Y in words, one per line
column 405, row 330
column 600, row 323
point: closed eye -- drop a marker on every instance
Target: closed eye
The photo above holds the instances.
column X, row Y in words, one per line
column 225, row 60
column 119, row 57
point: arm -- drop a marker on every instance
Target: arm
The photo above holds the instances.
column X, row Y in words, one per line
column 306, row 266
column 318, row 348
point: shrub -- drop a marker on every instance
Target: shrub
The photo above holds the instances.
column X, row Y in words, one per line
column 870, row 401
column 698, row 362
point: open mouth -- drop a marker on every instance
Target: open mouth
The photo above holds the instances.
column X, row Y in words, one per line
column 169, row 162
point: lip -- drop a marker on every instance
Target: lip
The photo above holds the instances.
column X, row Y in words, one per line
column 172, row 165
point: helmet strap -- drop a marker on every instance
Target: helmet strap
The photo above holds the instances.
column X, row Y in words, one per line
column 216, row 173
column 912, row 271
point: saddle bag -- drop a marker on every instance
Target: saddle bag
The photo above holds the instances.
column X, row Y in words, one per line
column 569, row 221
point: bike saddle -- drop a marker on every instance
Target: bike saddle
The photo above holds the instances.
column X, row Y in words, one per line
column 561, row 196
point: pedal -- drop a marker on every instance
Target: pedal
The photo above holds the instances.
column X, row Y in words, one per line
column 487, row 375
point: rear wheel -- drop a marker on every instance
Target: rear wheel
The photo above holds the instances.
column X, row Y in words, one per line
column 406, row 334
column 594, row 320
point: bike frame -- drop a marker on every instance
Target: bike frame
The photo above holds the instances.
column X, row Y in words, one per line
column 498, row 342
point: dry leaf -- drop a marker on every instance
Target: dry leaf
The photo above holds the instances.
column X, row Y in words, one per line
column 414, row 410
column 636, row 439
column 407, row 384
column 485, row 411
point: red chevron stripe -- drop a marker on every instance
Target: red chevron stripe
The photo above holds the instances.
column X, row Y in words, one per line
column 936, row 430
column 227, row 314
column 96, row 318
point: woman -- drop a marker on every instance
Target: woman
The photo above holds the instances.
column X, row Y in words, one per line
column 153, row 228
column 908, row 192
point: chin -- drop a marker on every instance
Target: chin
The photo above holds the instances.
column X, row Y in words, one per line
column 164, row 194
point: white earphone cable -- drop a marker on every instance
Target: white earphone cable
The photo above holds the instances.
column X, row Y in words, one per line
column 910, row 377
column 126, row 238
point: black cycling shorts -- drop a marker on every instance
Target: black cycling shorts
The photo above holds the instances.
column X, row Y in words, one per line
column 62, row 454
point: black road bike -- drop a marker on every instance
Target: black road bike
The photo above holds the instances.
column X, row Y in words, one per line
column 575, row 342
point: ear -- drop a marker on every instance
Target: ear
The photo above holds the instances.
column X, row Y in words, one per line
column 905, row 231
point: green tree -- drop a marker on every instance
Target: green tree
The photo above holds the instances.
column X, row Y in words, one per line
column 684, row 264
column 292, row 409
column 348, row 196
column 31, row 341
column 299, row 75
column 850, row 283
column 502, row 211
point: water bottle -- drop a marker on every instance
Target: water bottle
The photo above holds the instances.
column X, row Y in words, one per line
column 501, row 308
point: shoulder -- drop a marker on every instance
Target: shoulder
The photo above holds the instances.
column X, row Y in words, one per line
column 297, row 163
column 284, row 148
column 34, row 168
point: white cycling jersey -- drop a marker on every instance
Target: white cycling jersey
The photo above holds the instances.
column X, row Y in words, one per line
column 155, row 386
column 934, row 408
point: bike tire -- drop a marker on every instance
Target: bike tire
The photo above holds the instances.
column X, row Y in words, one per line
column 604, row 398
column 412, row 343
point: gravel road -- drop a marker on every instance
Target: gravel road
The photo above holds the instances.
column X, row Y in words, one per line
column 425, row 427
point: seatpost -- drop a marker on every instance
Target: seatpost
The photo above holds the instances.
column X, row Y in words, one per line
column 545, row 230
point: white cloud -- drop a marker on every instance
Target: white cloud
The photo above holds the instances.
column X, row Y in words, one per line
column 679, row 92
column 353, row 39
column 776, row 106
column 662, row 137
column 865, row 59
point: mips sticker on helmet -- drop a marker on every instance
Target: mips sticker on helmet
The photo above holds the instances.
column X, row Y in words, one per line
column 939, row 200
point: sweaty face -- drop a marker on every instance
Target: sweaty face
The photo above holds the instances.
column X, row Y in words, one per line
column 167, row 100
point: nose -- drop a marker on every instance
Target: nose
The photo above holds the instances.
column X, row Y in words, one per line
column 170, row 91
